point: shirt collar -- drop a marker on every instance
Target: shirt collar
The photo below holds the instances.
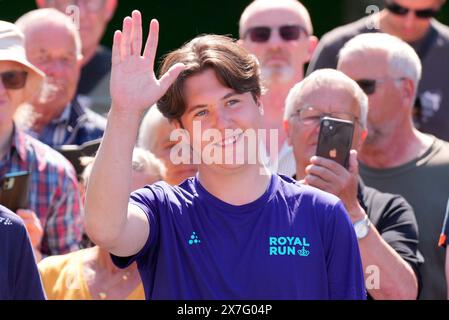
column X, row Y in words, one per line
column 65, row 115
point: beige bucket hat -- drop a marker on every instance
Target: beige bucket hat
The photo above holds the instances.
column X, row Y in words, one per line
column 12, row 49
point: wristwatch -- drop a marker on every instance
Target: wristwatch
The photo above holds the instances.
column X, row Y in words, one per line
column 362, row 227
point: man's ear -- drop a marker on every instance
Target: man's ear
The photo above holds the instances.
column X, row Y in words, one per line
column 41, row 3
column 408, row 91
column 286, row 125
column 364, row 135
column 313, row 43
column 111, row 5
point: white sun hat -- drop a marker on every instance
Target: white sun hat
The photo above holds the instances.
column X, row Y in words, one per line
column 12, row 49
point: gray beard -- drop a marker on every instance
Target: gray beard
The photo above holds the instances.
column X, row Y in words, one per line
column 284, row 74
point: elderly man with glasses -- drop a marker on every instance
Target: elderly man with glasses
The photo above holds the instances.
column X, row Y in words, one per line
column 93, row 17
column 384, row 223
column 396, row 157
column 279, row 34
column 413, row 22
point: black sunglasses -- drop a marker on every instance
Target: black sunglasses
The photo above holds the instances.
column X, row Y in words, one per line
column 399, row 10
column 14, row 79
column 369, row 85
column 263, row 33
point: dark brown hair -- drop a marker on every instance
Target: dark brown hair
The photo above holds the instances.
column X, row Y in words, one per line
column 234, row 67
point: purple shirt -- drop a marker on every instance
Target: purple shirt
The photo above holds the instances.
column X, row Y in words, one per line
column 294, row 242
column 19, row 278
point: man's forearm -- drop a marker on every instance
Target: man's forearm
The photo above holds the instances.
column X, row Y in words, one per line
column 397, row 278
column 109, row 184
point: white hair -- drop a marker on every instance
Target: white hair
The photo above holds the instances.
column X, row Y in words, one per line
column 269, row 4
column 150, row 123
column 50, row 15
column 403, row 62
column 322, row 79
column 142, row 160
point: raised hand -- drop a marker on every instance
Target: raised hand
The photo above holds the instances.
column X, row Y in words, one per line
column 330, row 176
column 134, row 86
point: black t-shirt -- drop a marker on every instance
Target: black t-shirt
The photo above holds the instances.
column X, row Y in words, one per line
column 19, row 277
column 395, row 221
column 95, row 70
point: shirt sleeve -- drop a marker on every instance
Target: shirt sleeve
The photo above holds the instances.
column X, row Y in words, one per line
column 325, row 55
column 146, row 200
column 344, row 265
column 398, row 227
column 64, row 227
column 27, row 282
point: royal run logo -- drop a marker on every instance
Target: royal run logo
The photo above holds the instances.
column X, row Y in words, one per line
column 289, row 246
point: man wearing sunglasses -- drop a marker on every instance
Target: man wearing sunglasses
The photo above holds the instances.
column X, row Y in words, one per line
column 385, row 224
column 279, row 34
column 53, row 189
column 413, row 22
column 396, row 157
column 52, row 43
column 93, row 17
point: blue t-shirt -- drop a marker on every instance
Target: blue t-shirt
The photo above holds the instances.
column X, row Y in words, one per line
column 294, row 242
column 19, row 277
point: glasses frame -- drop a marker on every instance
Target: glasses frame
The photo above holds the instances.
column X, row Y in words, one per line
column 7, row 84
column 375, row 82
column 399, row 10
column 279, row 30
column 297, row 114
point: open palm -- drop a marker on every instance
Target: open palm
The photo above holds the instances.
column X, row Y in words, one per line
column 134, row 86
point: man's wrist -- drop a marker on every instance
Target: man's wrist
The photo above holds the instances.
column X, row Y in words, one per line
column 356, row 213
column 124, row 114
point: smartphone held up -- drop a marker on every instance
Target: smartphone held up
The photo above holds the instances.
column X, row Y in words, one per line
column 335, row 140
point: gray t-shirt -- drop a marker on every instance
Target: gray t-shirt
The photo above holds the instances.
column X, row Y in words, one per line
column 424, row 183
column 432, row 107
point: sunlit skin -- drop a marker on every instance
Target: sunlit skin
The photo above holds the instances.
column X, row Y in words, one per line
column 92, row 24
column 389, row 117
column 304, row 138
column 51, row 47
column 282, row 62
column 9, row 98
column 161, row 148
column 218, row 107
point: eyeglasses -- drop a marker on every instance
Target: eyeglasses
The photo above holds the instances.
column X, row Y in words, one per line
column 369, row 85
column 14, row 79
column 90, row 5
column 312, row 116
column 399, row 10
column 286, row 32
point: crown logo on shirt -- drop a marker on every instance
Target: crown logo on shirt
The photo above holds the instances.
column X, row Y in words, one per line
column 303, row 252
